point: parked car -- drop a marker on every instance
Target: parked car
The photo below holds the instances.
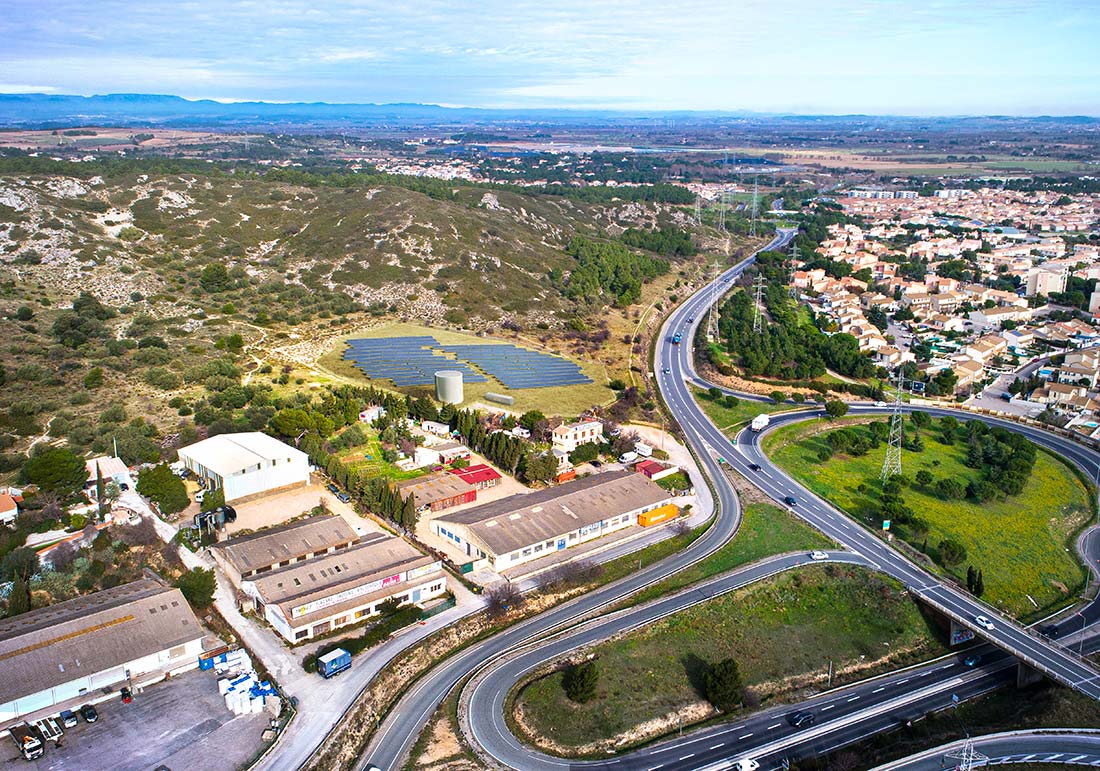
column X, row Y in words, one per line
column 68, row 718
column 127, row 697
column 972, row 660
column 343, row 497
column 801, row 719
column 199, row 496
column 983, row 622
column 89, row 714
column 819, row 555
column 746, row 764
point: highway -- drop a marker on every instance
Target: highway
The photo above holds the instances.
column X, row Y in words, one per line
column 398, row 731
column 1049, row 746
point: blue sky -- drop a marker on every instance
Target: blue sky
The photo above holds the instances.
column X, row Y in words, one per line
column 944, row 57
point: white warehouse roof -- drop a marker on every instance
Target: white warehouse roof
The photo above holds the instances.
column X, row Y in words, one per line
column 227, row 454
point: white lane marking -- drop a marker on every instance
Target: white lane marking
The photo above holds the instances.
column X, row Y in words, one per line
column 854, row 698
column 828, row 707
column 742, row 738
column 903, row 682
column 692, row 755
column 723, row 745
column 773, row 727
column 879, row 690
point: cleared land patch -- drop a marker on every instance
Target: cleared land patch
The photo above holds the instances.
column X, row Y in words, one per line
column 1021, row 543
column 783, row 632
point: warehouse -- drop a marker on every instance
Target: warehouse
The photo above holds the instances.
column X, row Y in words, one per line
column 436, row 492
column 279, row 547
column 246, row 465
column 128, row 635
column 522, row 528
column 479, row 476
column 315, row 596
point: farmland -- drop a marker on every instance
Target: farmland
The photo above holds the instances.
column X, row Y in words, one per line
column 1021, row 543
column 857, row 619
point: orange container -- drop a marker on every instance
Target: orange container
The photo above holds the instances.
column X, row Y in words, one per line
column 659, row 514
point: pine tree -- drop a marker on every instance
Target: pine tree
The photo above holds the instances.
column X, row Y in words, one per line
column 580, row 681
column 408, row 515
column 722, row 685
column 100, row 489
column 979, row 585
column 19, row 601
column 971, row 578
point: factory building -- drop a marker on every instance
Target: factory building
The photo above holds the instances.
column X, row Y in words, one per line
column 78, row 650
column 279, row 547
column 438, row 491
column 246, row 465
column 522, row 528
column 339, row 588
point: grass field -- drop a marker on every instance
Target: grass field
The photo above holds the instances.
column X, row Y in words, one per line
column 1021, row 544
column 368, row 457
column 788, row 626
column 559, row 400
column 732, row 419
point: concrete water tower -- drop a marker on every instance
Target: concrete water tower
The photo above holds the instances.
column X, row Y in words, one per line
column 448, row 386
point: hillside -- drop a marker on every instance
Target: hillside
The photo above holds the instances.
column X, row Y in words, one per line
column 198, row 285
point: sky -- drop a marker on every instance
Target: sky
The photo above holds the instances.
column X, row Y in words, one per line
column 921, row 57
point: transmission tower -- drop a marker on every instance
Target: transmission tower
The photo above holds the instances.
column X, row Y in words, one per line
column 967, row 757
column 758, row 297
column 891, row 465
column 792, row 262
column 698, row 211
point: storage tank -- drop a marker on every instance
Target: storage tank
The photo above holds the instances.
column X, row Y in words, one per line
column 448, row 386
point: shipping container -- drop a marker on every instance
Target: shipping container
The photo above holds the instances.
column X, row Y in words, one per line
column 334, row 662
column 659, row 514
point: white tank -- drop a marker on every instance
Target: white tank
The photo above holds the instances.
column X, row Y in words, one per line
column 448, row 386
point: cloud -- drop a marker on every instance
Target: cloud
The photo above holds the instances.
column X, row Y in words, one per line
column 362, row 55
column 21, row 88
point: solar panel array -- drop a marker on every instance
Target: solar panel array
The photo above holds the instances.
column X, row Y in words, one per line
column 520, row 368
column 407, row 361
column 413, row 361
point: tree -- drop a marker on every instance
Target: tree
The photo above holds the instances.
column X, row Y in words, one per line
column 836, row 409
column 979, row 584
column 57, row 470
column 18, row 562
column 951, row 489
column 580, row 681
column 214, row 278
column 778, row 396
column 19, row 601
column 714, row 393
column 971, row 578
column 540, row 467
column 198, row 586
column 722, row 685
column 502, row 597
column 951, row 552
column 213, row 499
column 924, row 477
column 584, row 453
column 100, row 493
column 162, row 486
column 530, row 419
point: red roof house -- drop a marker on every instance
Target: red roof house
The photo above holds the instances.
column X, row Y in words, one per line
column 479, row 476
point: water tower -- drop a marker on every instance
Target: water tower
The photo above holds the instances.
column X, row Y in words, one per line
column 448, row 386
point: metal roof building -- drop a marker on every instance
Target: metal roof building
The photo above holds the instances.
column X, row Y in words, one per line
column 87, row 646
column 282, row 546
column 521, row 528
column 247, row 464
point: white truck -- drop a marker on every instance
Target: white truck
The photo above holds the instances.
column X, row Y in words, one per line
column 759, row 423
column 643, row 449
column 28, row 741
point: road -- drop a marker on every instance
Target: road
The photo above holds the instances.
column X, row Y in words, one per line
column 1061, row 746
column 398, row 731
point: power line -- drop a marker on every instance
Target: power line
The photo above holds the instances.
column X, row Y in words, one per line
column 755, row 206
column 758, row 297
column 967, row 756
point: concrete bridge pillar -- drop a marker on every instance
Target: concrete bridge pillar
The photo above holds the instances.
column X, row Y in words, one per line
column 1026, row 675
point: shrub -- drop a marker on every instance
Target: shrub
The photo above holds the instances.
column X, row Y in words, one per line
column 951, row 552
column 198, row 585
column 722, row 685
column 580, row 681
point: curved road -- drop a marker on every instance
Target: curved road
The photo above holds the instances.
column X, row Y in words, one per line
column 488, row 694
column 1049, row 746
column 398, row 731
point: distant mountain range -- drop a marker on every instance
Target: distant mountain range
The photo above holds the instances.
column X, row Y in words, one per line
column 157, row 110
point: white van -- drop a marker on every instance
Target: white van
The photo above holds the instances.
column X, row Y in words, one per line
column 628, row 457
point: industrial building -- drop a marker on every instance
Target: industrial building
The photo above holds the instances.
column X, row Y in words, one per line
column 522, row 528
column 246, row 465
column 479, row 476
column 340, row 588
column 279, row 547
column 128, row 635
column 437, row 492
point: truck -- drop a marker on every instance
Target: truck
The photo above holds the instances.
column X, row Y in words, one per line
column 759, row 423
column 28, row 741
column 643, row 449
column 48, row 729
column 333, row 663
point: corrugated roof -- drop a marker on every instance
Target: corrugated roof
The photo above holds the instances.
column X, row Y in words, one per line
column 476, row 474
column 521, row 520
column 293, row 541
column 60, row 643
column 435, row 487
column 227, row 454
column 108, row 467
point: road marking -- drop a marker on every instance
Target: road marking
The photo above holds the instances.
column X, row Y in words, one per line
column 742, row 738
column 854, row 698
column 903, row 682
column 829, row 707
column 773, row 727
column 879, row 690
column 720, row 744
column 692, row 755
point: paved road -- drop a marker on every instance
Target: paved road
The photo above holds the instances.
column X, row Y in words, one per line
column 404, row 722
column 1063, row 746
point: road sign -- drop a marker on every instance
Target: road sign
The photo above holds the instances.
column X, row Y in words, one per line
column 885, row 524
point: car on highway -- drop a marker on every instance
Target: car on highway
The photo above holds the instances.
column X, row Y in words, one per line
column 801, row 719
column 667, row 370
column 746, row 764
column 819, row 555
column 89, row 714
column 983, row 622
column 790, row 501
column 755, row 467
column 691, row 319
column 972, row 660
column 880, row 404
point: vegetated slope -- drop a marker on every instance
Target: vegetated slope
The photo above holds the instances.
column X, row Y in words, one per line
column 479, row 257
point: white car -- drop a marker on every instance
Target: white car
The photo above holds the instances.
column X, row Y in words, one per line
column 199, row 496
column 818, row 555
column 983, row 622
column 880, row 404
column 746, row 764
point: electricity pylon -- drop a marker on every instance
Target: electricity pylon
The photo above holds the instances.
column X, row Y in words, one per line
column 891, row 465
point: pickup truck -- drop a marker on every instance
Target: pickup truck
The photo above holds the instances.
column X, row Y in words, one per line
column 28, row 741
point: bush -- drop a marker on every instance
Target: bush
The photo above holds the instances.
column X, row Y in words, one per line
column 198, row 586
column 952, row 489
column 501, row 598
column 951, row 552
column 77, row 521
column 836, row 409
column 722, row 685
column 580, row 681
column 162, row 378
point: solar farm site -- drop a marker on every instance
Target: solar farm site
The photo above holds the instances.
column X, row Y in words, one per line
column 414, row 360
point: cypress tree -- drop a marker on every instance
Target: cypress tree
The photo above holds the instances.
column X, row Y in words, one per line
column 19, row 601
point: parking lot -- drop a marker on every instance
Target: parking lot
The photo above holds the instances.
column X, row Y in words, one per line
column 173, row 725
